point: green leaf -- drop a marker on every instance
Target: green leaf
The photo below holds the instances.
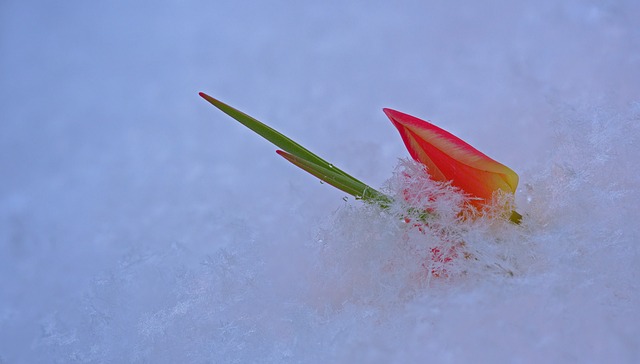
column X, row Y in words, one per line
column 273, row 135
column 355, row 188
column 303, row 158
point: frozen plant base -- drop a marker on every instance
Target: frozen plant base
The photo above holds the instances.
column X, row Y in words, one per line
column 376, row 254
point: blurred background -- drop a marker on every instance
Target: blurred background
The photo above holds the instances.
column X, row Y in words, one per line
column 138, row 223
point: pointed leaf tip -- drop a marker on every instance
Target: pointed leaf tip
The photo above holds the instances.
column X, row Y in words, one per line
column 205, row 96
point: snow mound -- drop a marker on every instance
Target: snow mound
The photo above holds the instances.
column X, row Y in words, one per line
column 371, row 254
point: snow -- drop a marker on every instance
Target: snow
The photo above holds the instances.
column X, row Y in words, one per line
column 139, row 224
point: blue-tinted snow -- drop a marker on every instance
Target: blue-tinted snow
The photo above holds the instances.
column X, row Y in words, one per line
column 139, row 224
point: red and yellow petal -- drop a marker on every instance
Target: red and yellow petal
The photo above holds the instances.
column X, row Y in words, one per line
column 449, row 158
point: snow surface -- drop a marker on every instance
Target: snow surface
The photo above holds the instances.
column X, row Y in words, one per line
column 139, row 224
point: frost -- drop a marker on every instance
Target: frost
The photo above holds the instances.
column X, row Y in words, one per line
column 373, row 255
column 140, row 225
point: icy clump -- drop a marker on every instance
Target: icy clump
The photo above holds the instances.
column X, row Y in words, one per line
column 372, row 254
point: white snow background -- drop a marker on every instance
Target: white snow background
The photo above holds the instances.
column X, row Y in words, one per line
column 139, row 224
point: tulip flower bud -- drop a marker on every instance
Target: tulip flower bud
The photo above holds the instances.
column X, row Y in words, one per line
column 449, row 158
